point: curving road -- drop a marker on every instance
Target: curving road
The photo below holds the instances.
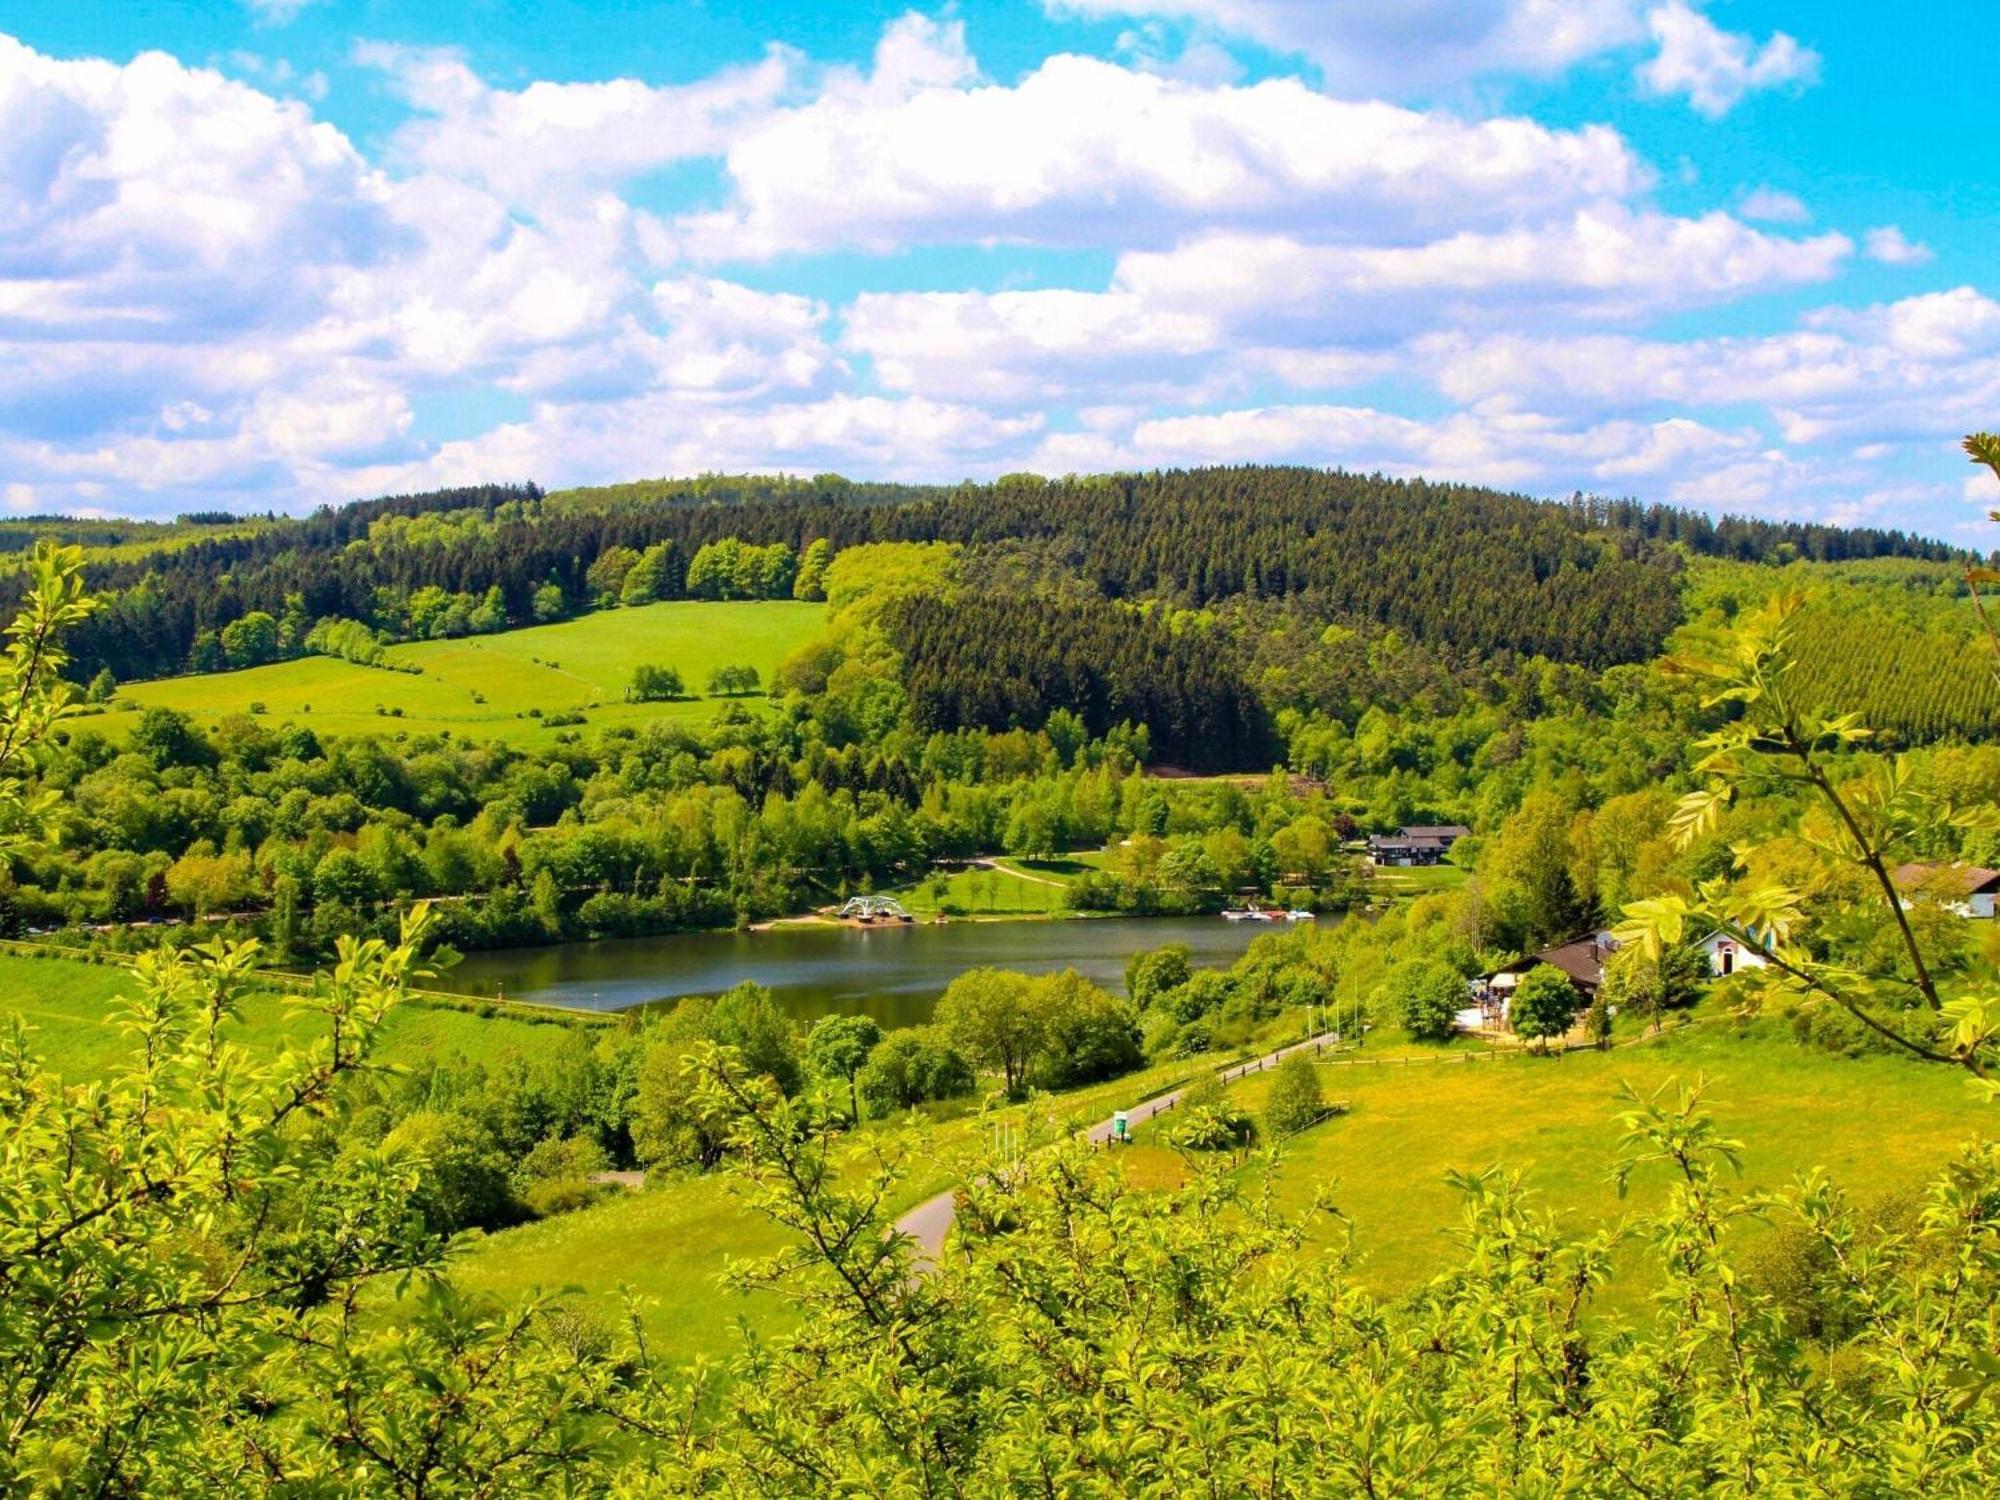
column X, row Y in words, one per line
column 930, row 1220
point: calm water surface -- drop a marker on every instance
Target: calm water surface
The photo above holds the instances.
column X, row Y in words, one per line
column 894, row 974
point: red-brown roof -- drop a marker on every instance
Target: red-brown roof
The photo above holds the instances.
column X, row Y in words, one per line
column 1955, row 880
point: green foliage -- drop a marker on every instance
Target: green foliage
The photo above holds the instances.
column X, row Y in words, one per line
column 654, row 684
column 1545, row 1004
column 169, row 1243
column 837, row 1049
column 913, row 1065
column 733, row 681
column 811, row 580
column 1089, row 1034
column 1296, row 1100
column 672, row 1123
column 33, row 699
column 1426, row 996
column 654, row 575
column 1927, row 999
column 992, row 1015
column 1152, row 973
column 732, row 569
column 1640, row 982
column 997, row 663
column 1206, row 1119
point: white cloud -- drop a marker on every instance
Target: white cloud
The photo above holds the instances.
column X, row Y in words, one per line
column 1714, row 68
column 1917, row 371
column 209, row 296
column 275, row 12
column 1404, row 44
column 1083, row 151
column 1608, row 261
column 156, row 200
column 1771, row 206
column 1888, row 245
column 565, row 136
column 1016, row 346
column 1489, row 447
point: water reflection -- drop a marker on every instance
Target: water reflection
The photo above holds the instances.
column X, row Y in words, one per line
column 894, row 974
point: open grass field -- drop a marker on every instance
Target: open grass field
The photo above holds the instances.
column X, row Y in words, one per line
column 1876, row 1124
column 480, row 687
column 71, row 1009
column 984, row 891
column 1417, row 880
column 667, row 1246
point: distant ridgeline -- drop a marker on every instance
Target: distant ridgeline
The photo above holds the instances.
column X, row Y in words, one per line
column 1469, row 573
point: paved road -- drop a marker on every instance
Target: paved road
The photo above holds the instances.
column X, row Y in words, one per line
column 928, row 1222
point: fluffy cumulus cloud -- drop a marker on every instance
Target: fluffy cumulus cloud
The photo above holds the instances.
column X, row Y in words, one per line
column 209, row 295
column 1418, row 45
column 562, row 137
column 1714, row 68
column 1361, row 44
column 1081, row 151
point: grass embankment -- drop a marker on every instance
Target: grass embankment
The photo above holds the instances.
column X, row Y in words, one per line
column 72, row 1009
column 481, row 687
column 1876, row 1124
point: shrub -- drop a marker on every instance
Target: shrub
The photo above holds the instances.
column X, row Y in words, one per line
column 1296, row 1100
column 560, row 1195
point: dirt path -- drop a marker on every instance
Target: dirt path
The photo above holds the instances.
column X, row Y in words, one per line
column 988, row 861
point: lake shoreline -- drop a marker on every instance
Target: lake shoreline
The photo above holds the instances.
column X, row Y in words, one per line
column 892, row 971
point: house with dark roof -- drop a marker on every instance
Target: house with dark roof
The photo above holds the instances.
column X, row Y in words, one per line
column 1969, row 890
column 1446, row 833
column 1418, row 844
column 1394, row 849
column 1581, row 961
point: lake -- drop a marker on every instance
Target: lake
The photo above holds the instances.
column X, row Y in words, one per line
column 894, row 974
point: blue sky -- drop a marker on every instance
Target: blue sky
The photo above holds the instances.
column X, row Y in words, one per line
column 269, row 253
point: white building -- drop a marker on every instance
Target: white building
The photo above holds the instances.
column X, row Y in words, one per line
column 1727, row 954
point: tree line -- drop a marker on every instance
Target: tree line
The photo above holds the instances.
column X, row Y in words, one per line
column 1472, row 569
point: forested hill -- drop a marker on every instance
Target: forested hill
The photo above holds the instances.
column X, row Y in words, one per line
column 1470, row 570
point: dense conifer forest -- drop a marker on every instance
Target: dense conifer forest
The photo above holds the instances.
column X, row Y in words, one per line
column 1463, row 568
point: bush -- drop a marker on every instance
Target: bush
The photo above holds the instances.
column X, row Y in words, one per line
column 910, row 1067
column 1296, row 1100
column 560, row 1195
column 1205, row 1119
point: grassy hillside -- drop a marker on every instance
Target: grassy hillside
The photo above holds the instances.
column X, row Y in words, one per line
column 71, row 1008
column 1410, row 1122
column 483, row 686
column 1552, row 1120
column 1876, row 1124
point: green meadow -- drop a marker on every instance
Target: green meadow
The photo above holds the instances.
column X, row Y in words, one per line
column 1413, row 1114
column 1877, row 1125
column 72, row 1011
column 482, row 687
